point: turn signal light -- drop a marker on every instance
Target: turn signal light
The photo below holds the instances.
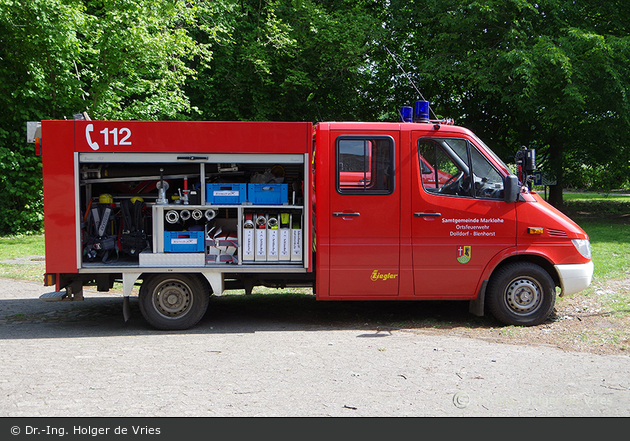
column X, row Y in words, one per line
column 535, row 230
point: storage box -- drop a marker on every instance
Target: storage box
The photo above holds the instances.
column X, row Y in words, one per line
column 268, row 194
column 184, row 241
column 225, row 193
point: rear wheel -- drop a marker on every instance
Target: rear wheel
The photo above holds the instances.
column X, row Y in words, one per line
column 171, row 302
column 521, row 294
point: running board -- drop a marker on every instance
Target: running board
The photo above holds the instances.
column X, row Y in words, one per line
column 73, row 292
column 57, row 296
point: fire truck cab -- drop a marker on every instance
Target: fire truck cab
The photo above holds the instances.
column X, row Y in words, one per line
column 358, row 211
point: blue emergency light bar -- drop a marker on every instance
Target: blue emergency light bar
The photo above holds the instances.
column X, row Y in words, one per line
column 421, row 111
column 406, row 114
column 418, row 113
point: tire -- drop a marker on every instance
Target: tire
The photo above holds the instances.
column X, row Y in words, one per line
column 173, row 301
column 521, row 294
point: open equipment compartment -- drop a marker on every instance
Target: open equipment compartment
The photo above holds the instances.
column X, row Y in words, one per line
column 176, row 210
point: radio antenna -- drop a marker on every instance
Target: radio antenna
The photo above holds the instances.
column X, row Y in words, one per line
column 409, row 79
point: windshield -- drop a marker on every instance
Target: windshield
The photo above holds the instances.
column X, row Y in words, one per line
column 492, row 154
column 455, row 167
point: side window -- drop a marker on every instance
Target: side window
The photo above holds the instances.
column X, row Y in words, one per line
column 455, row 167
column 445, row 170
column 365, row 165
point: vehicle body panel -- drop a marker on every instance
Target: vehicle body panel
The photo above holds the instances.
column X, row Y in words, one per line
column 405, row 240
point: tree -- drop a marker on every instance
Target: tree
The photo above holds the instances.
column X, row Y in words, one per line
column 299, row 60
column 37, row 47
column 548, row 74
column 117, row 59
column 136, row 58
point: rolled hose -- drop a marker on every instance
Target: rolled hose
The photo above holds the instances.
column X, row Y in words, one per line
column 210, row 214
column 172, row 216
column 197, row 214
column 185, row 215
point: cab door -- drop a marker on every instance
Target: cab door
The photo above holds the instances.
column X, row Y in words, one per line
column 459, row 218
column 365, row 215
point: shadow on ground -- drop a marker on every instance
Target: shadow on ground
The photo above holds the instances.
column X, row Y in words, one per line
column 28, row 318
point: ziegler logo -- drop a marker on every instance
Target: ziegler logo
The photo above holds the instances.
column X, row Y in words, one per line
column 380, row 276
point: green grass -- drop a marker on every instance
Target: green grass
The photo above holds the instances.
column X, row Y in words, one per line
column 599, row 205
column 606, row 197
column 606, row 219
column 21, row 246
column 610, row 247
column 16, row 247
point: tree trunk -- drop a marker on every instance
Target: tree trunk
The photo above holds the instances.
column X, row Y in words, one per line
column 556, row 159
column 555, row 196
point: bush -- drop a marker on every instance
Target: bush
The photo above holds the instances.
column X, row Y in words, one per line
column 22, row 207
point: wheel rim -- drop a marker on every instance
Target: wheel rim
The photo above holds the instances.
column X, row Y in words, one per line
column 523, row 296
column 173, row 299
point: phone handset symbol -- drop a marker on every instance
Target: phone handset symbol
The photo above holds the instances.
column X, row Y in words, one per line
column 88, row 129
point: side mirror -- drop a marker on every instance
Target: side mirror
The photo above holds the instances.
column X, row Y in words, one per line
column 511, row 189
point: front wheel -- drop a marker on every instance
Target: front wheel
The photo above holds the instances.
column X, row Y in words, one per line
column 521, row 294
column 171, row 302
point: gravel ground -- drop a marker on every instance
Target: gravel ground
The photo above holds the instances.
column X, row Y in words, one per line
column 292, row 356
column 580, row 323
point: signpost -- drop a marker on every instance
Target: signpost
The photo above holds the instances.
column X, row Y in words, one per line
column 544, row 178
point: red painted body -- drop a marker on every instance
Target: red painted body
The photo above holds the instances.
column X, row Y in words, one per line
column 59, row 210
column 387, row 252
column 407, row 242
column 193, row 137
column 65, row 139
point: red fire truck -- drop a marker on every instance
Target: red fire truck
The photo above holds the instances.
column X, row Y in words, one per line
column 359, row 211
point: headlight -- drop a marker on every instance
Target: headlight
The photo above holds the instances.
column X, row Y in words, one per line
column 583, row 246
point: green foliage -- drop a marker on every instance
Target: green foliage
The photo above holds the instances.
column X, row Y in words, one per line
column 288, row 60
column 31, row 80
column 547, row 74
column 21, row 210
column 136, row 59
column 115, row 59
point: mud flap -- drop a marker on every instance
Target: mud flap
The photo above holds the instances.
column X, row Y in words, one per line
column 476, row 306
column 126, row 309
column 129, row 279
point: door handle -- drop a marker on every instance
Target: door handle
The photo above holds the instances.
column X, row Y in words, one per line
column 337, row 214
column 427, row 214
column 193, row 158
